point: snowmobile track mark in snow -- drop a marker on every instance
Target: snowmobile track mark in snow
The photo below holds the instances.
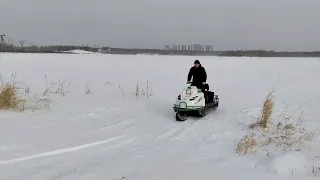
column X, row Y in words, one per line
column 172, row 133
column 60, row 151
column 178, row 130
column 124, row 124
column 123, row 143
column 188, row 129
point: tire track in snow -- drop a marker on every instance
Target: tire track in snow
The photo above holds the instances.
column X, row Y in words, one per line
column 60, row 151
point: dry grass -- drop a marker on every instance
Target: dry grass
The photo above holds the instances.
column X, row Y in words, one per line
column 27, row 89
column 267, row 133
column 88, row 88
column 56, row 87
column 9, row 98
column 139, row 91
column 35, row 103
column 246, row 143
column 266, row 113
column 13, row 99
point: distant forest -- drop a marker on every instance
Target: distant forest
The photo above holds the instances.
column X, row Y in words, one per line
column 185, row 52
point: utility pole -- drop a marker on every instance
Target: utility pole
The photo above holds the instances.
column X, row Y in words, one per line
column 3, row 43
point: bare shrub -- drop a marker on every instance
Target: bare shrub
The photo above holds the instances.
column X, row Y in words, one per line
column 284, row 133
column 316, row 166
column 110, row 84
column 121, row 89
column 27, row 88
column 56, row 87
column 88, row 88
column 139, row 91
column 35, row 103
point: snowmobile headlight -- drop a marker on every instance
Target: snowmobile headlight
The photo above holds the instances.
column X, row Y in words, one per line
column 183, row 105
column 188, row 91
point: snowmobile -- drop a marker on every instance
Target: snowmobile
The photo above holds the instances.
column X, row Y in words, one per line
column 192, row 101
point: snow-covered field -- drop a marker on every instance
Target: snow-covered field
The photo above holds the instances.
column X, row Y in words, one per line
column 111, row 134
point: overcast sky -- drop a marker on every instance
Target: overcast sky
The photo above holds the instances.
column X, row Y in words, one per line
column 226, row 24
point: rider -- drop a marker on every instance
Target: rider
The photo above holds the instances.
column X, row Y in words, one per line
column 199, row 76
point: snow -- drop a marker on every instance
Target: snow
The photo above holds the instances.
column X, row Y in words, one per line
column 288, row 163
column 111, row 134
column 78, row 51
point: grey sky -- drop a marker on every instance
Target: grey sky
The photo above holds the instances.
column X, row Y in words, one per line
column 227, row 24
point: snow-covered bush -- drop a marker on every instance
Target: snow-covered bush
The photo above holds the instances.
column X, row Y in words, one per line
column 59, row 87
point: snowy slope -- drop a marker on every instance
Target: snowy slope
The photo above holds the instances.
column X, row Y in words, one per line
column 110, row 134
